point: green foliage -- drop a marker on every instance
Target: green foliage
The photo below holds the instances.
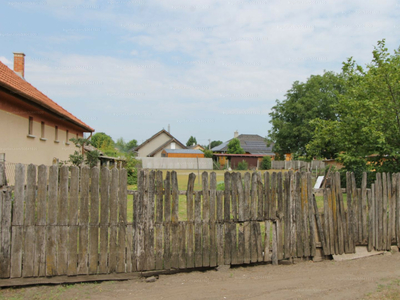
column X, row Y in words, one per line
column 266, row 163
column 368, row 114
column 103, row 142
column 221, row 186
column 131, row 165
column 208, row 153
column 243, row 165
column 92, row 158
column 234, row 147
column 76, row 159
column 215, row 144
column 124, row 147
column 192, row 140
column 291, row 127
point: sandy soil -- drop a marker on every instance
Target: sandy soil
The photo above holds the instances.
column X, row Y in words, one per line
column 355, row 279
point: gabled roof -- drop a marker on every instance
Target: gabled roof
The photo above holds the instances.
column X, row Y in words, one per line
column 251, row 143
column 165, row 145
column 156, row 135
column 14, row 83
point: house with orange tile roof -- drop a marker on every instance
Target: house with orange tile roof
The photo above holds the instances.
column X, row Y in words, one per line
column 34, row 128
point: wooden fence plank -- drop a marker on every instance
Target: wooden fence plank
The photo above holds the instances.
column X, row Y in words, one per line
column 392, row 209
column 220, row 229
column 122, row 219
column 228, row 243
column 331, row 222
column 240, row 252
column 247, row 241
column 272, row 204
column 398, row 211
column 73, row 213
column 174, row 220
column 379, row 201
column 260, row 197
column 94, row 220
column 150, row 255
column 320, row 228
column 141, row 217
column 370, row 220
column 234, row 196
column 84, row 222
column 254, row 194
column 104, row 218
column 340, row 214
column 292, row 200
column 375, row 216
column 311, row 217
column 197, row 230
column 274, row 256
column 287, row 216
column 299, row 217
column 167, row 221
column 206, row 221
column 29, row 229
column 213, row 240
column 247, row 199
column 267, row 253
column 62, row 221
column 227, row 196
column 280, row 214
column 384, row 210
column 364, row 235
column 233, row 236
column 159, row 220
column 182, row 245
column 327, row 250
column 51, row 256
column 40, row 257
column 18, row 222
column 354, row 208
column 388, row 236
column 267, row 196
column 190, row 220
column 5, row 234
column 304, row 210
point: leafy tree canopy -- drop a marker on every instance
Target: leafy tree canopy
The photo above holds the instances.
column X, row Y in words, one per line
column 102, row 141
column 192, row 140
column 234, row 147
column 123, row 146
column 368, row 114
column 291, row 128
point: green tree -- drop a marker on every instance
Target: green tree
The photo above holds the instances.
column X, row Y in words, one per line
column 131, row 145
column 102, row 141
column 291, row 128
column 125, row 147
column 266, row 163
column 234, row 147
column 192, row 140
column 208, row 153
column 368, row 114
column 215, row 143
column 90, row 158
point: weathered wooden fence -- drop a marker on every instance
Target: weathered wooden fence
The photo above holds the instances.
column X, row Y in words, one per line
column 69, row 221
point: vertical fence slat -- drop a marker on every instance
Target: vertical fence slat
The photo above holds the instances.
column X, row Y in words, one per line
column 29, row 228
column 150, row 219
column 320, row 229
column 159, row 220
column 197, row 230
column 388, row 239
column 274, row 256
column 247, row 241
column 327, row 235
column 5, row 234
column 190, row 220
column 213, row 241
column 174, row 219
column 122, row 220
column 267, row 196
column 234, row 196
column 304, row 210
column 393, row 209
column 233, row 237
column 340, row 213
column 182, row 245
column 62, row 221
column 94, row 220
column 220, row 229
column 267, row 234
column 227, row 196
column 17, row 222
column 299, row 217
column 280, row 214
column 206, row 220
column 364, row 235
column 370, row 220
column 272, row 204
column 104, row 218
column 379, row 201
column 292, row 212
column 40, row 257
column 51, row 261
column 84, row 222
column 73, row 222
column 167, row 221
column 398, row 211
column 240, row 253
column 287, row 216
column 260, row 197
column 112, row 267
column 384, row 210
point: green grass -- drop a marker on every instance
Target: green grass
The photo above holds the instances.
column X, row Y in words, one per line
column 389, row 290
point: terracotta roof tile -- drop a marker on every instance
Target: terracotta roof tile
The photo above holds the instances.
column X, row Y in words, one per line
column 10, row 80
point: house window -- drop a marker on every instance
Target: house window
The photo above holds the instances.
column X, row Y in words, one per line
column 56, row 134
column 42, row 130
column 30, row 128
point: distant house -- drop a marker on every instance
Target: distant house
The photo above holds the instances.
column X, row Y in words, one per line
column 182, row 153
column 34, row 129
column 196, row 147
column 255, row 148
column 104, row 159
column 154, row 146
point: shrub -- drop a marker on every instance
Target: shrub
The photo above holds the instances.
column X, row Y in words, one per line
column 243, row 165
column 266, row 163
column 131, row 166
column 208, row 153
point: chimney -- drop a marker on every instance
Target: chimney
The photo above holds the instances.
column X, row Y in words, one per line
column 19, row 64
column 236, row 134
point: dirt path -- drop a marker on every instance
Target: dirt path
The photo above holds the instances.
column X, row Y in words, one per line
column 357, row 279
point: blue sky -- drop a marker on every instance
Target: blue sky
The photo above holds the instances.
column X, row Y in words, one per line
column 131, row 67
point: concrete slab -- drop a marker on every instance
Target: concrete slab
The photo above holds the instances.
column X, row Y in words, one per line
column 361, row 252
